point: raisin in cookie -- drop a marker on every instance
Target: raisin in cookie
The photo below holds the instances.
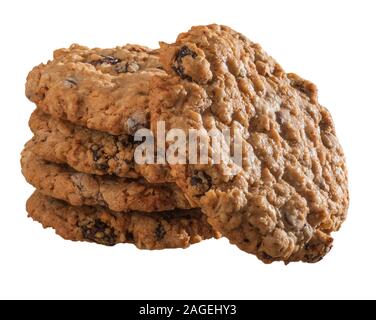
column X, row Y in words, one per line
column 289, row 193
column 102, row 89
column 172, row 229
column 118, row 194
column 90, row 151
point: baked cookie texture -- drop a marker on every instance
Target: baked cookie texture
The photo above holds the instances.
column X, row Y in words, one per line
column 290, row 192
column 174, row 229
column 118, row 194
column 281, row 203
column 101, row 89
column 90, row 151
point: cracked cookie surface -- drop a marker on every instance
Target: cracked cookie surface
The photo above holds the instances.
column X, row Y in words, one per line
column 290, row 191
column 118, row 194
column 90, row 151
column 171, row 229
column 102, row 89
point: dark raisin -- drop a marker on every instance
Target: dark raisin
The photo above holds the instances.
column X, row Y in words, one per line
column 314, row 253
column 195, row 181
column 160, row 232
column 201, row 181
column 180, row 72
column 102, row 166
column 185, row 51
column 108, row 60
column 99, row 232
column 95, row 156
column 265, row 256
column 132, row 141
column 177, row 67
column 129, row 236
column 128, row 141
column 96, row 151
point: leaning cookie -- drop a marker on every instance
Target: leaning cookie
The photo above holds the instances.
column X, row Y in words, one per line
column 118, row 194
column 174, row 229
column 289, row 190
column 102, row 89
column 89, row 151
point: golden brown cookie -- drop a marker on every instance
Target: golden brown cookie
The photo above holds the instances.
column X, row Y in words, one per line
column 174, row 229
column 102, row 89
column 290, row 192
column 118, row 194
column 89, row 151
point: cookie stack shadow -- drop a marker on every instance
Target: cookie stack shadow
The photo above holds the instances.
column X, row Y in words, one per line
column 88, row 187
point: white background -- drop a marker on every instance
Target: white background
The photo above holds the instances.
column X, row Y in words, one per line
column 331, row 43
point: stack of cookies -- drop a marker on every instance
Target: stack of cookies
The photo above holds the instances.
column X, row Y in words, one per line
column 88, row 186
column 280, row 203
